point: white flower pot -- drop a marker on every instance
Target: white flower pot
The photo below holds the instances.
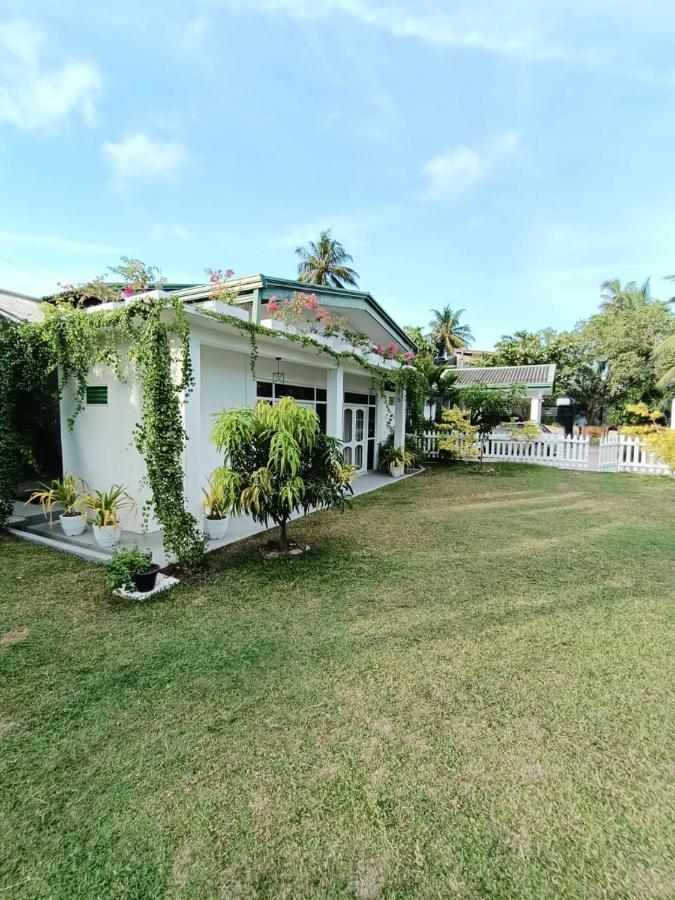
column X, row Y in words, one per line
column 107, row 536
column 72, row 525
column 397, row 471
column 216, row 529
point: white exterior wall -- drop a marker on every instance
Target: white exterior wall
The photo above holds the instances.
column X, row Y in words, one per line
column 100, row 448
column 359, row 384
column 308, row 376
column 224, row 382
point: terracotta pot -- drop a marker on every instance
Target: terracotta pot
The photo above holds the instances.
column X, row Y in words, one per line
column 72, row 525
column 216, row 529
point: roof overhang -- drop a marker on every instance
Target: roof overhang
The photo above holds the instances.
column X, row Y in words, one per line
column 361, row 306
column 539, row 377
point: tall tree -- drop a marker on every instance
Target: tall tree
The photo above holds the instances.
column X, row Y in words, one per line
column 447, row 331
column 631, row 295
column 489, row 406
column 326, row 262
column 439, row 380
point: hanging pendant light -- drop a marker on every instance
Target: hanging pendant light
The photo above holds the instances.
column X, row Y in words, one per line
column 278, row 377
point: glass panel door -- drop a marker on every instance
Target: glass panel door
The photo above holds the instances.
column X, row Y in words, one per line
column 355, row 436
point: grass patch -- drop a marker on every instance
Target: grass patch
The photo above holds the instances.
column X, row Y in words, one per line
column 463, row 690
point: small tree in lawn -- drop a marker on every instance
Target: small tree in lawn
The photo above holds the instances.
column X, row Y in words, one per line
column 489, row 407
column 277, row 462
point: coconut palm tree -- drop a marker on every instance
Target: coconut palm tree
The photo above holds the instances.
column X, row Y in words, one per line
column 325, row 262
column 447, row 332
column 627, row 297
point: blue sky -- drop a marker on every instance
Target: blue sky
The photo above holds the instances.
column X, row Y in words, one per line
column 502, row 157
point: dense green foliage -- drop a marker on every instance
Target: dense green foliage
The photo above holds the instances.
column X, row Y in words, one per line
column 124, row 565
column 277, row 463
column 435, row 384
column 608, row 360
column 488, row 407
column 71, row 340
column 464, row 690
column 23, row 354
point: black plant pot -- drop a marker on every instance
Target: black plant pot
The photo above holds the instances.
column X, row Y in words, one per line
column 146, row 580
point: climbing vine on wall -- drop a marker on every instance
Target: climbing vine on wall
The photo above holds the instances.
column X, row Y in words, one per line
column 145, row 332
column 22, row 372
column 72, row 341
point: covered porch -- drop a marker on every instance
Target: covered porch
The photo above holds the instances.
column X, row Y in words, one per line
column 29, row 524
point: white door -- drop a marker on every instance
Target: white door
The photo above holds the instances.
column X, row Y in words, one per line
column 355, row 436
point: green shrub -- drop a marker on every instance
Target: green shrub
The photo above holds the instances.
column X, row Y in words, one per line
column 124, row 565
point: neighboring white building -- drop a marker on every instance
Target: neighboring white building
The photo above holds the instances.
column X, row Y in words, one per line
column 537, row 381
column 343, row 393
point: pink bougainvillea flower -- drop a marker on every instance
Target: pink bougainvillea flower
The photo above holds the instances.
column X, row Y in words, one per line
column 379, row 349
column 321, row 313
column 410, row 356
column 128, row 292
column 229, row 273
column 393, row 347
column 272, row 305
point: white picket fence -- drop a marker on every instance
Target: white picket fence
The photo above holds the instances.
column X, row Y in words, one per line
column 616, row 453
column 625, row 453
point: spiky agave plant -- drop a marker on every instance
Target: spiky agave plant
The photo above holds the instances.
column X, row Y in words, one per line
column 69, row 491
column 277, row 463
column 107, row 505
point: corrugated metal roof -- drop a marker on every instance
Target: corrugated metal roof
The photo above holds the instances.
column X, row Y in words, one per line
column 541, row 376
column 19, row 307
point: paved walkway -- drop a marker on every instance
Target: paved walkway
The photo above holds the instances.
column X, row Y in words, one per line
column 39, row 531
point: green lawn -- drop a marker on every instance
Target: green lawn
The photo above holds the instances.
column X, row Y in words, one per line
column 465, row 689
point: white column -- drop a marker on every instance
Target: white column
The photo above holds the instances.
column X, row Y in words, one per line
column 535, row 409
column 195, row 478
column 672, row 414
column 335, row 396
column 251, row 387
column 399, row 419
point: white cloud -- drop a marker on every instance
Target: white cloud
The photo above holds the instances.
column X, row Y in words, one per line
column 138, row 156
column 161, row 232
column 455, row 172
column 521, row 28
column 35, row 95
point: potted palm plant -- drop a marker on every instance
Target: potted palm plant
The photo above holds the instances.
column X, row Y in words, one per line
column 70, row 493
column 131, row 570
column 396, row 459
column 219, row 499
column 106, row 507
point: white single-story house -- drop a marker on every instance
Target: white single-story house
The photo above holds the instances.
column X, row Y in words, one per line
column 537, row 381
column 341, row 391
